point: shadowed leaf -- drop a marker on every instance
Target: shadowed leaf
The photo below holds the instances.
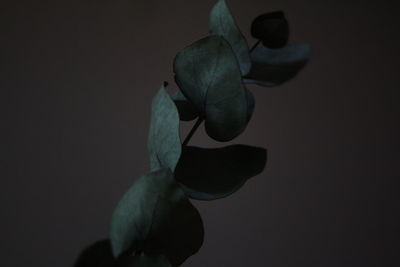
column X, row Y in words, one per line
column 187, row 111
column 208, row 174
column 155, row 217
column 100, row 255
column 164, row 142
column 275, row 66
column 222, row 23
column 272, row 29
column 208, row 75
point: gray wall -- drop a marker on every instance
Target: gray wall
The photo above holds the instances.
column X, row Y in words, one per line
column 76, row 83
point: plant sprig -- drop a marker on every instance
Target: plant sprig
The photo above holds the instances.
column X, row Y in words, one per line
column 154, row 223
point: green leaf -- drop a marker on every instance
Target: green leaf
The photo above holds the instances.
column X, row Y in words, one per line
column 187, row 111
column 97, row 255
column 271, row 28
column 164, row 142
column 208, row 75
column 275, row 66
column 155, row 217
column 222, row 23
column 100, row 254
column 208, row 174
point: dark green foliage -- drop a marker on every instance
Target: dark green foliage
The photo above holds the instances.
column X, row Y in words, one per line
column 187, row 111
column 164, row 143
column 212, row 173
column 272, row 29
column 222, row 23
column 100, row 255
column 272, row 67
column 208, row 75
column 155, row 224
column 97, row 255
column 155, row 217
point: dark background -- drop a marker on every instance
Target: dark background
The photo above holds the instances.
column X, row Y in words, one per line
column 76, row 83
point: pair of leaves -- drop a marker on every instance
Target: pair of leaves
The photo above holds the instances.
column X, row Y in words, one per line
column 209, row 72
column 205, row 174
column 271, row 65
column 276, row 62
column 221, row 23
column 208, row 75
column 155, row 217
column 100, row 255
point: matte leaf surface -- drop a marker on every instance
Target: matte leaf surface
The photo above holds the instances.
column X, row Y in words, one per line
column 212, row 173
column 222, row 23
column 164, row 142
column 155, row 217
column 275, row 66
column 208, row 75
column 187, row 110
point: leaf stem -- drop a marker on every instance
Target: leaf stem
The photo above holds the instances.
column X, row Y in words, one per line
column 192, row 131
column 255, row 45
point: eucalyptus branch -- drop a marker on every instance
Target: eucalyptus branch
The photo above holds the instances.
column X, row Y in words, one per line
column 154, row 223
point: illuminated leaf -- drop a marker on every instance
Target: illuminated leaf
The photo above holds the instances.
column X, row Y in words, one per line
column 155, row 217
column 164, row 142
column 208, row 74
column 222, row 23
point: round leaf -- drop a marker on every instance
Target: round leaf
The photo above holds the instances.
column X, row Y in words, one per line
column 212, row 173
column 164, row 142
column 222, row 23
column 208, row 75
column 155, row 217
column 272, row 29
column 275, row 66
